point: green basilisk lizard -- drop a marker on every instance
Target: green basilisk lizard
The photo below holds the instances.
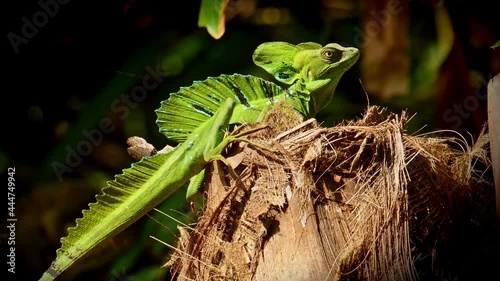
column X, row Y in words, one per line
column 197, row 117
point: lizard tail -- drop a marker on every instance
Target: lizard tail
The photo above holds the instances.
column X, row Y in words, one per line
column 91, row 229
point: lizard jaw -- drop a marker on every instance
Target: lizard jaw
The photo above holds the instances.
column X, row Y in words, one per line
column 310, row 75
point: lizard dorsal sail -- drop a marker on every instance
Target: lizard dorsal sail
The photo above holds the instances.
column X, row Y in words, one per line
column 188, row 108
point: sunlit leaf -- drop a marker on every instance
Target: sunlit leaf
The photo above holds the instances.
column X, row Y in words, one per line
column 212, row 17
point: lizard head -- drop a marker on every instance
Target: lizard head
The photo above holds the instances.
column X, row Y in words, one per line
column 325, row 63
column 321, row 69
column 309, row 68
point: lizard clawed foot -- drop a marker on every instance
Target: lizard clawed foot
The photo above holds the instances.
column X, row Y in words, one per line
column 252, row 143
column 238, row 136
column 236, row 133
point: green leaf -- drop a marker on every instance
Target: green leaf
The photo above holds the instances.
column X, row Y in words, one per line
column 497, row 44
column 213, row 17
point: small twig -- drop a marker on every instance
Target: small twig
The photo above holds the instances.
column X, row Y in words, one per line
column 138, row 148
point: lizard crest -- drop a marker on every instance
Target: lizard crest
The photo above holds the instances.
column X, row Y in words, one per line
column 309, row 68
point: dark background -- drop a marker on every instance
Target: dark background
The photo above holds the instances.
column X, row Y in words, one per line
column 66, row 78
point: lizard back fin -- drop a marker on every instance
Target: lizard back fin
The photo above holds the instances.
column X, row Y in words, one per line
column 191, row 106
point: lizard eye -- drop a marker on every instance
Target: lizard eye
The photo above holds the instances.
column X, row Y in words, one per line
column 328, row 54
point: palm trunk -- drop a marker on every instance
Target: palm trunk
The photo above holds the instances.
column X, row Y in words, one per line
column 359, row 201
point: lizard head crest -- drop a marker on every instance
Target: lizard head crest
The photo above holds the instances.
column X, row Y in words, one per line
column 308, row 67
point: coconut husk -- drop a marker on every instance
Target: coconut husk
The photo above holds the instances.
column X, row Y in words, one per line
column 362, row 200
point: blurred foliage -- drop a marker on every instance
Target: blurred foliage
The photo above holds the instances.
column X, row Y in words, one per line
column 433, row 58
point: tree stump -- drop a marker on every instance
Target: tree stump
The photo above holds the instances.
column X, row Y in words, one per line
column 362, row 200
